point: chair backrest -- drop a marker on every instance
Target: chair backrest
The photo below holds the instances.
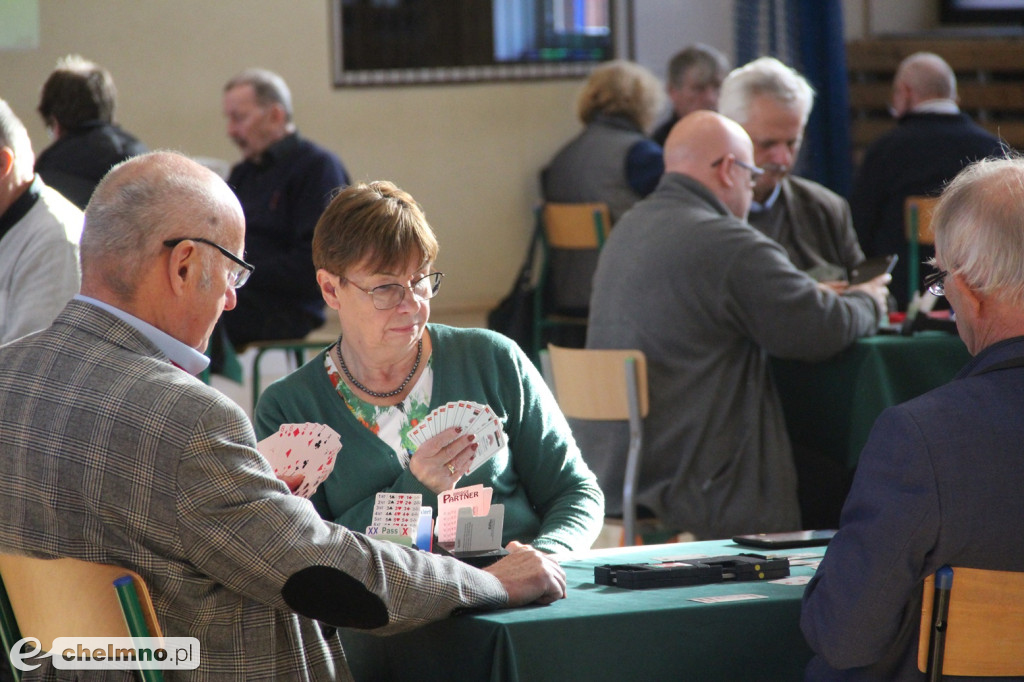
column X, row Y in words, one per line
column 606, row 385
column 917, row 226
column 919, row 209
column 984, row 626
column 591, row 384
column 70, row 598
column 575, row 226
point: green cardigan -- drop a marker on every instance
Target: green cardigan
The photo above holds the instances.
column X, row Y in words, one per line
column 552, row 499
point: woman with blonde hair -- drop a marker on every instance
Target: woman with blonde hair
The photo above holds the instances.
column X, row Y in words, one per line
column 611, row 160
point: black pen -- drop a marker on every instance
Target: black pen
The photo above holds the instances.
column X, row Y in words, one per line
column 940, row 618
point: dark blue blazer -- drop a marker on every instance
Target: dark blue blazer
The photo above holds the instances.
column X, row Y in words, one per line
column 940, row 481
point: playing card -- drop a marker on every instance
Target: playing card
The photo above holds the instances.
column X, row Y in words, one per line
column 473, row 418
column 308, row 449
column 490, row 438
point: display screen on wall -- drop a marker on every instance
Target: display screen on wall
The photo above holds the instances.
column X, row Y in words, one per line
column 983, row 11
column 380, row 42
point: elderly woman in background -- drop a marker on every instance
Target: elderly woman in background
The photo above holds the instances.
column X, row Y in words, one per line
column 374, row 253
column 611, row 160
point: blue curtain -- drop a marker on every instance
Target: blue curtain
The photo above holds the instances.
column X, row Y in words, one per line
column 807, row 35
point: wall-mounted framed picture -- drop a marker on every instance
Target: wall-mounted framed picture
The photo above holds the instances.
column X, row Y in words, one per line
column 409, row 42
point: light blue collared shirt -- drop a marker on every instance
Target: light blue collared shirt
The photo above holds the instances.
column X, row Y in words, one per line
column 756, row 207
column 186, row 357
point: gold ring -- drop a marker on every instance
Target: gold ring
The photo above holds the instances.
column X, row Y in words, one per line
column 451, row 468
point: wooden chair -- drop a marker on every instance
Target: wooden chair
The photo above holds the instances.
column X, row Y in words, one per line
column 606, row 385
column 568, row 227
column 976, row 621
column 917, row 224
column 50, row 598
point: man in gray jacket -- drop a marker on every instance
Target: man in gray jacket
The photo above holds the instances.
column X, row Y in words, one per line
column 772, row 102
column 112, row 452
column 708, row 298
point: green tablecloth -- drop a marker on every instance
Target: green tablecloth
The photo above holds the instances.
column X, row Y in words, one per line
column 606, row 633
column 831, row 406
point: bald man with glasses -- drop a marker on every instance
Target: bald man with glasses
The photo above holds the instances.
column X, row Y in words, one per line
column 110, row 451
column 708, row 298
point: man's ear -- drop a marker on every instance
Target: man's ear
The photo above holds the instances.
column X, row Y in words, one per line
column 723, row 171
column 975, row 300
column 329, row 288
column 183, row 268
column 278, row 115
column 907, row 95
column 6, row 161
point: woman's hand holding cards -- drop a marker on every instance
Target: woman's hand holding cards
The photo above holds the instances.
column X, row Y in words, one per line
column 443, row 459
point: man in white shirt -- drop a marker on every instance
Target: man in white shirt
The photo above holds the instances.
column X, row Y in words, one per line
column 39, row 234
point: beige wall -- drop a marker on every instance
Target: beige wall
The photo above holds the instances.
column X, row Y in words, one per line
column 468, row 153
column 873, row 18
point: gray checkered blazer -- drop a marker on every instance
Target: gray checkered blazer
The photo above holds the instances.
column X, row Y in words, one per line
column 109, row 453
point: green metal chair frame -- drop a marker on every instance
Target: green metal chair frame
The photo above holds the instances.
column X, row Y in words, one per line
column 126, row 587
column 564, row 226
column 295, row 348
column 917, row 213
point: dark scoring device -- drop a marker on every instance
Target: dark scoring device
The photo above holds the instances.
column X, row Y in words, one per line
column 873, row 267
column 786, row 540
column 702, row 571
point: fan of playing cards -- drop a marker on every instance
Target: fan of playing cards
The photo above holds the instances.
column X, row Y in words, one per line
column 474, row 418
column 308, row 449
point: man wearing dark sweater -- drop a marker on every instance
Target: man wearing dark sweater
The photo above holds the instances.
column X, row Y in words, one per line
column 931, row 143
column 77, row 105
column 284, row 183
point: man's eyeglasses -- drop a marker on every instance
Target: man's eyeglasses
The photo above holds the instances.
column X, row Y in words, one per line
column 238, row 276
column 755, row 172
column 388, row 296
column 936, row 282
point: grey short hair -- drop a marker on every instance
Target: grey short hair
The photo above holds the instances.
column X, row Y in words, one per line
column 764, row 76
column 14, row 135
column 140, row 203
column 269, row 88
column 928, row 76
column 711, row 64
column 979, row 227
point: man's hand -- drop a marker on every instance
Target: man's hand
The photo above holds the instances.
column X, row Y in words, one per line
column 529, row 576
column 835, row 286
column 878, row 289
column 293, row 482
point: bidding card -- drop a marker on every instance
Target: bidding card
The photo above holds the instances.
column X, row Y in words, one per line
column 308, row 449
column 476, row 497
column 396, row 516
column 479, row 533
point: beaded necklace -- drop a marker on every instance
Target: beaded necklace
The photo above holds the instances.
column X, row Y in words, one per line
column 375, row 394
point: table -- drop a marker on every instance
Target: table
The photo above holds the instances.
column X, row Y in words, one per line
column 831, row 406
column 607, row 633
